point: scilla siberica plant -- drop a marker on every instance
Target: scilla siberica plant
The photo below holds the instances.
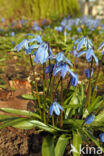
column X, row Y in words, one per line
column 70, row 114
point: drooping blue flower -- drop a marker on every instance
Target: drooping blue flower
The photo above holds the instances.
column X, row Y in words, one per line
column 84, row 42
column 74, row 80
column 79, row 30
column 60, row 28
column 101, row 47
column 42, row 53
column 12, row 42
column 62, row 68
column 60, row 57
column 36, row 26
column 22, row 44
column 2, row 20
column 89, row 55
column 12, row 34
column 55, row 107
column 49, row 69
column 87, row 73
column 101, row 136
column 90, row 119
column 37, row 39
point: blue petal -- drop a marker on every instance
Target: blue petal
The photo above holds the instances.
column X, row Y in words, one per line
column 96, row 59
column 34, row 46
column 74, row 80
column 37, row 38
column 71, row 73
column 57, row 70
column 56, row 108
column 81, row 44
column 51, row 69
column 64, row 70
column 20, row 45
column 90, row 119
column 60, row 107
column 60, row 57
column 51, row 108
column 81, row 53
column 101, row 137
column 101, row 46
column 89, row 54
column 68, row 61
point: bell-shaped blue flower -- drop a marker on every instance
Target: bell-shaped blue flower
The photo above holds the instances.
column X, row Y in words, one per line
column 89, row 55
column 87, row 73
column 74, row 80
column 22, row 44
column 90, row 119
column 101, row 136
column 61, row 68
column 49, row 69
column 60, row 28
column 60, row 57
column 84, row 42
column 37, row 39
column 55, row 107
column 101, row 47
column 42, row 53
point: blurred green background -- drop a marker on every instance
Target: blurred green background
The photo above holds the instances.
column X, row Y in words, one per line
column 38, row 9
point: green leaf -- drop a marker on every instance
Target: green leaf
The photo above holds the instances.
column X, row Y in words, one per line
column 73, row 123
column 93, row 139
column 5, row 117
column 77, row 141
column 61, row 145
column 20, row 112
column 11, row 122
column 48, row 146
column 28, row 97
column 100, row 117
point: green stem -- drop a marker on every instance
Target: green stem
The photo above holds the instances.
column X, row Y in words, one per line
column 44, row 85
column 61, row 118
column 88, row 97
column 97, row 77
column 36, row 86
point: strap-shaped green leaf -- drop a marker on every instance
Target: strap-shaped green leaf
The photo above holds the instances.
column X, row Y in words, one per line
column 77, row 141
column 61, row 145
column 48, row 146
column 28, row 97
column 93, row 138
column 20, row 112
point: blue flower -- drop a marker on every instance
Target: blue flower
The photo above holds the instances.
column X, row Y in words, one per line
column 63, row 68
column 84, row 42
column 55, row 107
column 60, row 28
column 24, row 43
column 60, row 57
column 49, row 69
column 12, row 34
column 74, row 80
column 36, row 26
column 37, row 39
column 79, row 30
column 101, row 137
column 90, row 119
column 89, row 55
column 42, row 53
column 87, row 73
column 101, row 47
column 2, row 20
column 12, row 42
